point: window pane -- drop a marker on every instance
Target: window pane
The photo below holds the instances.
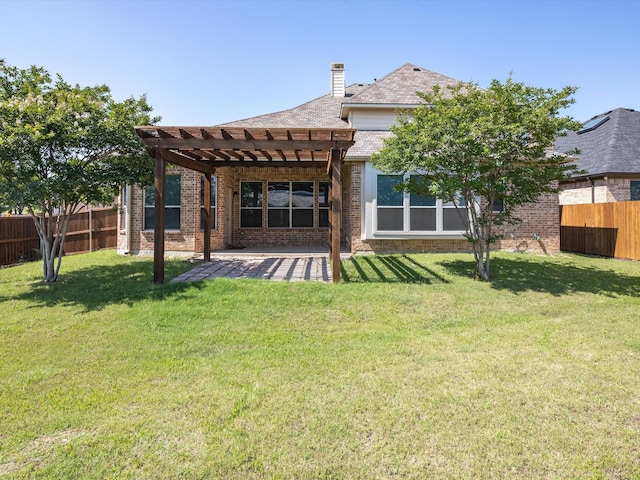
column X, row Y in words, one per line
column 149, row 218
column 417, row 200
column 302, row 217
column 278, row 194
column 323, row 218
column 498, row 205
column 279, row 217
column 390, row 219
column 149, row 196
column 323, row 194
column 172, row 218
column 387, row 196
column 251, row 194
column 635, row 190
column 422, row 219
column 172, row 191
column 302, row 195
column 251, row 217
column 451, row 220
column 421, row 201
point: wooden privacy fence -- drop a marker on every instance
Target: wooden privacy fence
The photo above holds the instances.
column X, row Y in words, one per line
column 87, row 231
column 607, row 229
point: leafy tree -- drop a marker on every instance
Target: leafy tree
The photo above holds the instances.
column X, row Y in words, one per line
column 63, row 147
column 474, row 146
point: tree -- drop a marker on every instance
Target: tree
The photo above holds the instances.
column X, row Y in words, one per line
column 473, row 147
column 63, row 147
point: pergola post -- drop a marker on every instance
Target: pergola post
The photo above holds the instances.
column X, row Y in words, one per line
column 159, row 219
column 335, row 214
column 207, row 217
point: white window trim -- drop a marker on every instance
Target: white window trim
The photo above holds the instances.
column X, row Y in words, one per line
column 292, row 207
column 370, row 218
column 166, row 206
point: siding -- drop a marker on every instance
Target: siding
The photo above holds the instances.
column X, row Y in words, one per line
column 373, row 119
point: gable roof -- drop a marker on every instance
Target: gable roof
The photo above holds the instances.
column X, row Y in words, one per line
column 606, row 148
column 322, row 112
column 400, row 86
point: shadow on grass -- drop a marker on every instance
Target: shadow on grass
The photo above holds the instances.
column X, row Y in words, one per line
column 97, row 286
column 521, row 274
column 388, row 269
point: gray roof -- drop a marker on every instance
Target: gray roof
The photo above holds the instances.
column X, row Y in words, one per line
column 401, row 85
column 612, row 147
column 367, row 142
column 323, row 112
column 397, row 88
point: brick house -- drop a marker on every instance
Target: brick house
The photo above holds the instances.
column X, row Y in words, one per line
column 260, row 202
column 609, row 159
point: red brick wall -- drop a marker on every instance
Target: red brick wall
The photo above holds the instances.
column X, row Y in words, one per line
column 539, row 231
column 246, row 237
column 604, row 190
column 190, row 238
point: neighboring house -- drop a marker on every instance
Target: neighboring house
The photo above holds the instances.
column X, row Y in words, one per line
column 609, row 158
column 288, row 205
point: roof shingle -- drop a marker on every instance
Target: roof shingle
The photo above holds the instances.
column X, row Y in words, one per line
column 611, row 147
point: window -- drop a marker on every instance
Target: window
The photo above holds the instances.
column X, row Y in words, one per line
column 592, row 124
column 635, row 190
column 422, row 211
column 498, row 205
column 213, row 203
column 290, row 204
column 171, row 204
column 410, row 212
column 390, row 203
column 323, row 204
column 250, row 204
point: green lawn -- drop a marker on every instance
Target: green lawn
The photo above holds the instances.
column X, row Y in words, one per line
column 407, row 369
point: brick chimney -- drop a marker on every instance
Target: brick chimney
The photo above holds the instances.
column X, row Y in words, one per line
column 337, row 80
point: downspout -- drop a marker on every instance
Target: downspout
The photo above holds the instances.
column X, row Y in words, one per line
column 593, row 189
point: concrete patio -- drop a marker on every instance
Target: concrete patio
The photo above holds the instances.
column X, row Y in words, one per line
column 273, row 263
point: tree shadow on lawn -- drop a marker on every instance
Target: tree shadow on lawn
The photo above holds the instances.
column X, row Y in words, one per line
column 521, row 274
column 98, row 286
column 388, row 269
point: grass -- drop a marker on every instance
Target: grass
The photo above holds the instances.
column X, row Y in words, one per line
column 407, row 369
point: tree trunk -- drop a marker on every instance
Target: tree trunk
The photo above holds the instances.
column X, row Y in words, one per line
column 51, row 240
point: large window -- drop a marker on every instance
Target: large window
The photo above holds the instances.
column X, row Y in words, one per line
column 171, row 204
column 213, row 203
column 290, row 204
column 250, row 204
column 397, row 211
column 635, row 190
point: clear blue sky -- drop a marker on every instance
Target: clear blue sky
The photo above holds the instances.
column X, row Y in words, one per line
column 208, row 62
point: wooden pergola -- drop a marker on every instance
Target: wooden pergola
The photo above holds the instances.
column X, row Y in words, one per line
column 204, row 149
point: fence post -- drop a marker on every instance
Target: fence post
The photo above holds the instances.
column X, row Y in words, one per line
column 90, row 230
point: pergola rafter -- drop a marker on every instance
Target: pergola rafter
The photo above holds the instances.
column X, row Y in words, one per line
column 204, row 149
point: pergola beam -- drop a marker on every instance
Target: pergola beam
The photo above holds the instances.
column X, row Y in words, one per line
column 182, row 146
column 184, row 161
column 247, row 144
